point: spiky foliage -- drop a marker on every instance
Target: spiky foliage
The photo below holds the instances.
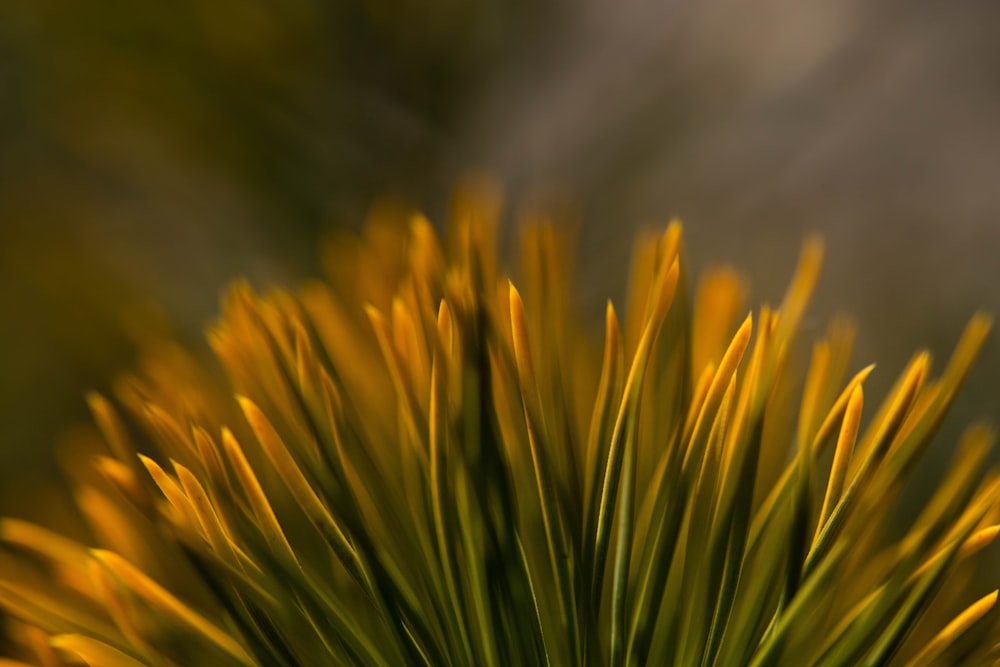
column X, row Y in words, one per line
column 422, row 466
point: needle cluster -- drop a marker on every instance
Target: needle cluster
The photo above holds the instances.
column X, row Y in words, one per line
column 426, row 465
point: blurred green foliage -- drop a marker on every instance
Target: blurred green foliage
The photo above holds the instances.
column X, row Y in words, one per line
column 150, row 152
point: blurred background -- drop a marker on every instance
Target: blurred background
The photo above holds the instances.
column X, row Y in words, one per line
column 151, row 152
